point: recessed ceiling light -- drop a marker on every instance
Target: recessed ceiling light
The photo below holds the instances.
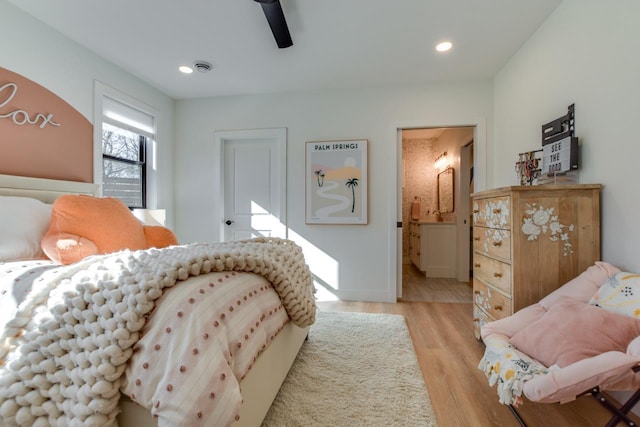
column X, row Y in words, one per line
column 185, row 69
column 444, row 46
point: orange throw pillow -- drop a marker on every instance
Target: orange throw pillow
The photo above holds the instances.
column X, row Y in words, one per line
column 84, row 225
column 159, row 237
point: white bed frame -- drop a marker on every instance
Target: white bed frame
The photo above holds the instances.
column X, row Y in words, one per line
column 259, row 387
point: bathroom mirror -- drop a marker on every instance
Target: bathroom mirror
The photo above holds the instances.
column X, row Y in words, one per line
column 445, row 191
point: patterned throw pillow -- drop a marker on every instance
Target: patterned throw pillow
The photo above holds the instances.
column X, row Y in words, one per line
column 620, row 294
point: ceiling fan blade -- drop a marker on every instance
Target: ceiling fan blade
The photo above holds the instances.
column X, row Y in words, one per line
column 275, row 17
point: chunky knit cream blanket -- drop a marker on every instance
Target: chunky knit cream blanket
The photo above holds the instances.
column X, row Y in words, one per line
column 63, row 357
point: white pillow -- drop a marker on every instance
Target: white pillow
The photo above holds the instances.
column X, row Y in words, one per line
column 23, row 224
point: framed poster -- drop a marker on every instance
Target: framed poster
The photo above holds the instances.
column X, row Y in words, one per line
column 336, row 182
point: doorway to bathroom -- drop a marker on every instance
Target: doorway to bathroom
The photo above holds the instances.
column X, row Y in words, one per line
column 437, row 180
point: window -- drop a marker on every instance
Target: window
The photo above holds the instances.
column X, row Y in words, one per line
column 123, row 165
column 126, row 133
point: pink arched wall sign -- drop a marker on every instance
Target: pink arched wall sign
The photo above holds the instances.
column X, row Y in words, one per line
column 41, row 135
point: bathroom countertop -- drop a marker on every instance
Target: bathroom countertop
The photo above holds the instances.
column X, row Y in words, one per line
column 431, row 221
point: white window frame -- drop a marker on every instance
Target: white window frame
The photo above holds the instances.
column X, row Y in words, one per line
column 102, row 91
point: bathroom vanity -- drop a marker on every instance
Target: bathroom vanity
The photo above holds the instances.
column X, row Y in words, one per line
column 432, row 247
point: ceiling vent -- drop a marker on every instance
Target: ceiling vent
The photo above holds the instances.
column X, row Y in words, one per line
column 202, row 66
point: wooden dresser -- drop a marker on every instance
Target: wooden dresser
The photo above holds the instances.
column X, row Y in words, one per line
column 528, row 241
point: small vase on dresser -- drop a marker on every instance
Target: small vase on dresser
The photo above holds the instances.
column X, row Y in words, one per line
column 528, row 241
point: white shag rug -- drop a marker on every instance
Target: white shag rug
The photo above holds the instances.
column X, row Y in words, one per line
column 356, row 369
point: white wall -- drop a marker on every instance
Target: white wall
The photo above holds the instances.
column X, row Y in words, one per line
column 34, row 50
column 362, row 252
column 585, row 53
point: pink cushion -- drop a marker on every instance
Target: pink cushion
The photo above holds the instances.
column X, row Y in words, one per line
column 580, row 288
column 609, row 371
column 573, row 330
column 584, row 285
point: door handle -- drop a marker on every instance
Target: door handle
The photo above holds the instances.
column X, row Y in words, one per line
column 229, row 222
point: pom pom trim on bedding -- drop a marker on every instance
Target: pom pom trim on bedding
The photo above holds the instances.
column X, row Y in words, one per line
column 51, row 375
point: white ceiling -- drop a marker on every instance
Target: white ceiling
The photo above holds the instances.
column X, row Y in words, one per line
column 337, row 43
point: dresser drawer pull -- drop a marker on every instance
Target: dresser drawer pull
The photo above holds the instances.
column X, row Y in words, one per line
column 476, row 239
column 497, row 275
column 497, row 211
column 497, row 243
column 497, row 307
column 477, row 292
column 476, row 265
column 476, row 211
column 476, row 319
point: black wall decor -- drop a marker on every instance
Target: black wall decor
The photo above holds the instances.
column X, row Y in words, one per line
column 559, row 144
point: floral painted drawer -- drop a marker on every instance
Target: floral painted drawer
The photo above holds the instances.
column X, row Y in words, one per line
column 493, row 242
column 480, row 318
column 493, row 272
column 493, row 212
column 491, row 301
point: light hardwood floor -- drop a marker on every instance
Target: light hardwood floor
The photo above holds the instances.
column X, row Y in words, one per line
column 416, row 287
column 448, row 355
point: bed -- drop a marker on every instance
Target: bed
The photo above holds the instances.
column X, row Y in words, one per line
column 155, row 373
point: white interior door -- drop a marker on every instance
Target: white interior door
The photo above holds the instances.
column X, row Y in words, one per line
column 253, row 183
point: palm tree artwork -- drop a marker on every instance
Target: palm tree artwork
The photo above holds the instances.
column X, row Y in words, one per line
column 352, row 183
column 320, row 176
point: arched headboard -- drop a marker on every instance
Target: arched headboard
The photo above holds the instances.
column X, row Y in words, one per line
column 46, row 190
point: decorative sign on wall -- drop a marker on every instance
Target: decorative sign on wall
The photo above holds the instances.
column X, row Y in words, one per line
column 21, row 117
column 336, row 182
column 41, row 135
column 559, row 145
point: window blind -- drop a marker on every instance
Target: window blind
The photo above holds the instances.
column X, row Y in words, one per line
column 118, row 114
